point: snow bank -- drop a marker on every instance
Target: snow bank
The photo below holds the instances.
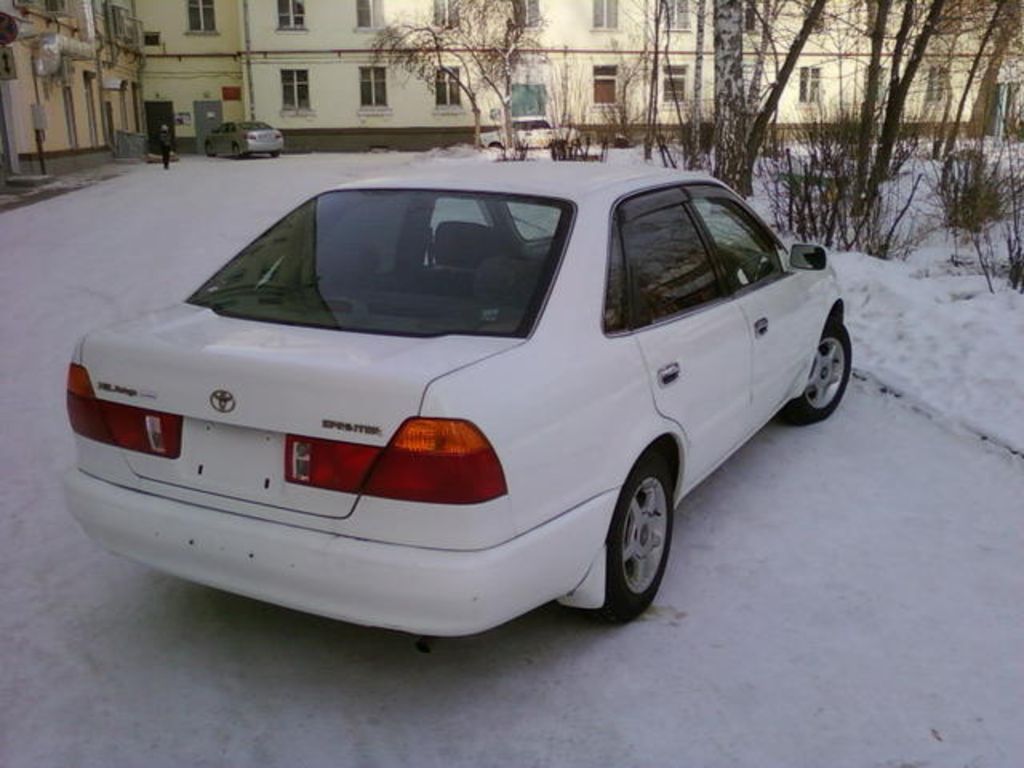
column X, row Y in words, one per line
column 941, row 338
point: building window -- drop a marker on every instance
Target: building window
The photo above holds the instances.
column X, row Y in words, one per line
column 605, row 81
column 606, row 14
column 69, row 117
column 810, row 85
column 446, row 88
column 88, row 78
column 368, row 14
column 936, row 89
column 295, row 88
column 446, row 13
column 529, row 12
column 373, row 88
column 674, row 85
column 151, row 38
column 200, row 16
column 291, row 14
column 678, row 12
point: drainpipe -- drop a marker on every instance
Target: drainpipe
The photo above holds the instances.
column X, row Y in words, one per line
column 248, row 60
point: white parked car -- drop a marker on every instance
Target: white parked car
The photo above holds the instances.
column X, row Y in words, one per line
column 436, row 403
column 531, row 132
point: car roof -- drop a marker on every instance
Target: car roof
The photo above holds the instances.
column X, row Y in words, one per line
column 571, row 181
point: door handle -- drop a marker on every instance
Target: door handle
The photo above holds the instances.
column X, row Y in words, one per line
column 668, row 374
column 761, row 326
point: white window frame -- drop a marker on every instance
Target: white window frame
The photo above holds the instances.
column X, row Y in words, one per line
column 298, row 77
column 372, row 9
column 294, row 14
column 606, row 14
column 446, row 13
column 531, row 10
column 935, row 86
column 675, row 78
column 447, row 93
column 810, row 85
column 369, row 75
column 678, row 15
column 203, row 7
column 607, row 73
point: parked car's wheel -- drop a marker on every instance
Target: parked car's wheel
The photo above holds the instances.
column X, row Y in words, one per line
column 209, row 150
column 275, row 154
column 827, row 382
column 639, row 540
column 235, row 149
column 494, row 145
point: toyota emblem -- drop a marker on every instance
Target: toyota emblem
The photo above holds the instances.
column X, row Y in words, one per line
column 222, row 401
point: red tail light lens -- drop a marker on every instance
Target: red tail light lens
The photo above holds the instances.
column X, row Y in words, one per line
column 327, row 464
column 128, row 427
column 442, row 461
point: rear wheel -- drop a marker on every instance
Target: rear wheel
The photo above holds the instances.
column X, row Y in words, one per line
column 826, row 385
column 209, row 150
column 275, row 154
column 236, row 150
column 639, row 540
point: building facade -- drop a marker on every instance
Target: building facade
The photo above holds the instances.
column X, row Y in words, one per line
column 72, row 92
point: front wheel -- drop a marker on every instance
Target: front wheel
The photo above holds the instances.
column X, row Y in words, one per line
column 826, row 385
column 639, row 540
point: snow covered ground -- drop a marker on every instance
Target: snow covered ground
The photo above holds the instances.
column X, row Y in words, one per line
column 844, row 595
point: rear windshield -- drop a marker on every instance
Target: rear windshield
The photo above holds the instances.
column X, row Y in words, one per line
column 254, row 127
column 402, row 262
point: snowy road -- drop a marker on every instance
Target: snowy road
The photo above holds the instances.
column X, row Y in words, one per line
column 843, row 595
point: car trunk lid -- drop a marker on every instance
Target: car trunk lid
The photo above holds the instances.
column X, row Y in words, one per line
column 242, row 386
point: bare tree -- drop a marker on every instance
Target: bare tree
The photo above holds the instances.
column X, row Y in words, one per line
column 694, row 153
column 480, row 44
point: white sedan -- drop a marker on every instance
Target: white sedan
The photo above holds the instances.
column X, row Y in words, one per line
column 436, row 403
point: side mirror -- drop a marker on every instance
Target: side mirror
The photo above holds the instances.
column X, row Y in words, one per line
column 804, row 256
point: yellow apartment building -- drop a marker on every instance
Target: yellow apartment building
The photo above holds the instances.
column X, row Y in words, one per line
column 70, row 84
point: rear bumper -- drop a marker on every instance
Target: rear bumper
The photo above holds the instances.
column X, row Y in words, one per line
column 264, row 145
column 424, row 591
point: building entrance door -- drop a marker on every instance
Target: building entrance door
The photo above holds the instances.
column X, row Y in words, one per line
column 208, row 115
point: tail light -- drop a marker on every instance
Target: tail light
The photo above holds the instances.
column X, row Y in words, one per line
column 444, row 461
column 128, row 427
column 252, row 136
column 327, row 464
column 441, row 461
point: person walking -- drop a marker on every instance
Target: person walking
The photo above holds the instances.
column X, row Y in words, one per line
column 165, row 146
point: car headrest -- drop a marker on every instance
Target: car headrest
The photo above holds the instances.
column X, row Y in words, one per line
column 462, row 244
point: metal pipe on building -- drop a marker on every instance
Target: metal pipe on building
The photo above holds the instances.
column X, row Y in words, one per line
column 248, row 60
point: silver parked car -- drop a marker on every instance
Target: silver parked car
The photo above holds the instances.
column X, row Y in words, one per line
column 244, row 139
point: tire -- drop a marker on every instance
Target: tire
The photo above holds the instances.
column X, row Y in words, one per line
column 832, row 365
column 495, row 145
column 236, row 151
column 632, row 579
column 209, row 150
column 275, row 154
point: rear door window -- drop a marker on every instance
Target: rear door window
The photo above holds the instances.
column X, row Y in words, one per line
column 669, row 270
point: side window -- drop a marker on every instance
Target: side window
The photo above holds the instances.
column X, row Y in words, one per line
column 669, row 269
column 748, row 253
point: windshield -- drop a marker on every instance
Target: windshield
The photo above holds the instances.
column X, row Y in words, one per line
column 403, row 262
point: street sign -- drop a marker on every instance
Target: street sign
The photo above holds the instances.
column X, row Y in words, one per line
column 7, row 68
column 8, row 29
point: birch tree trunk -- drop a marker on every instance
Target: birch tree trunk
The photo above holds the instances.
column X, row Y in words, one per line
column 730, row 111
column 697, row 109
